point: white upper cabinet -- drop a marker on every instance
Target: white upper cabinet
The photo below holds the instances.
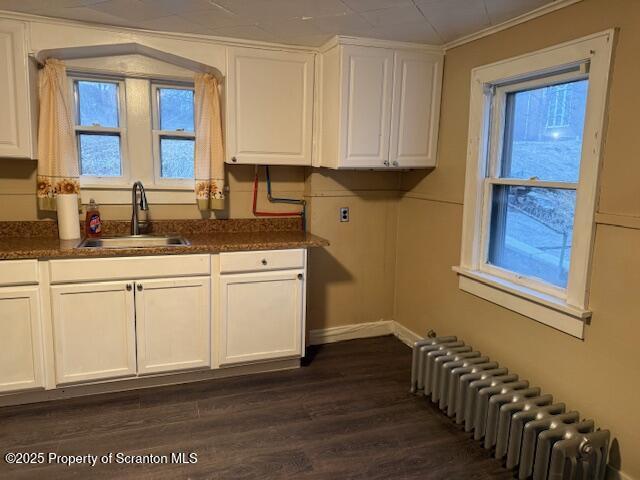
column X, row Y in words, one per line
column 416, row 109
column 379, row 107
column 17, row 130
column 366, row 106
column 269, row 107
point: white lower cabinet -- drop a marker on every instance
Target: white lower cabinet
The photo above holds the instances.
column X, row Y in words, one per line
column 261, row 315
column 172, row 324
column 89, row 321
column 93, row 331
column 107, row 330
column 21, row 339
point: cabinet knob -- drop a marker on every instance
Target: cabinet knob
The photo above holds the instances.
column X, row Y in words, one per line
column 386, row 163
column 128, row 287
column 395, row 163
column 139, row 286
column 300, row 276
column 234, row 159
column 264, row 261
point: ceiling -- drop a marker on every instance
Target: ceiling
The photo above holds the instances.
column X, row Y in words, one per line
column 299, row 22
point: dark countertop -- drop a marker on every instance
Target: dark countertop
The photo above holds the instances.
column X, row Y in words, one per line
column 21, row 248
column 214, row 239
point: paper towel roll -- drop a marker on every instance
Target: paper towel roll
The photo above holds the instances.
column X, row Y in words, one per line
column 68, row 220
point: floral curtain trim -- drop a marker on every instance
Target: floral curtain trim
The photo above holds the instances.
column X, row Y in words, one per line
column 209, row 196
column 209, row 154
column 50, row 187
column 58, row 170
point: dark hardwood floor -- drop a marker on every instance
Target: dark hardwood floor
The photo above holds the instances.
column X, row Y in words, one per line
column 347, row 414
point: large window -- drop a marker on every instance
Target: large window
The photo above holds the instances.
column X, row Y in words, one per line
column 132, row 129
column 534, row 146
column 532, row 182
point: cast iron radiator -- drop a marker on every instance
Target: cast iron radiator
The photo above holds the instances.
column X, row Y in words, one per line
column 531, row 434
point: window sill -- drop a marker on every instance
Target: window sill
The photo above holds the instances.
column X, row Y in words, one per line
column 121, row 195
column 541, row 307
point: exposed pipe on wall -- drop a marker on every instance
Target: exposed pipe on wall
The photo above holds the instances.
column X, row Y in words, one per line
column 291, row 201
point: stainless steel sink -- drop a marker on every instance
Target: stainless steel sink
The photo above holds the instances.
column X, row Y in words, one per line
column 135, row 241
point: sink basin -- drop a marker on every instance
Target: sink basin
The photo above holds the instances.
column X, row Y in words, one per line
column 135, row 241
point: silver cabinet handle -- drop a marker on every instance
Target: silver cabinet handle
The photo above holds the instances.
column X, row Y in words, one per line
column 128, row 287
column 386, row 163
column 139, row 286
column 264, row 261
column 395, row 163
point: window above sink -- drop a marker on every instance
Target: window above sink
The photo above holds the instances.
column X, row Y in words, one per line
column 110, row 111
column 133, row 123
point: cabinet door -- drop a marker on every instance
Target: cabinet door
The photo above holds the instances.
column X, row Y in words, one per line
column 416, row 109
column 93, row 331
column 366, row 106
column 21, row 340
column 269, row 107
column 15, row 118
column 261, row 316
column 172, row 323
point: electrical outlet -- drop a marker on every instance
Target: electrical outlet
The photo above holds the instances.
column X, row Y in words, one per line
column 344, row 214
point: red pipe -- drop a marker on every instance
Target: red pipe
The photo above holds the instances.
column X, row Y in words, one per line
column 267, row 214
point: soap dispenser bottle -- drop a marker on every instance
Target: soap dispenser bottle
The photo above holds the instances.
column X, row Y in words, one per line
column 93, row 223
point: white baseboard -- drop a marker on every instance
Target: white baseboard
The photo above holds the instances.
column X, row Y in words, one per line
column 363, row 330
column 350, row 332
column 406, row 336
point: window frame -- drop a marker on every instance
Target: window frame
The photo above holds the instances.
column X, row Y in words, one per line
column 564, row 310
column 95, row 181
column 158, row 134
column 498, row 123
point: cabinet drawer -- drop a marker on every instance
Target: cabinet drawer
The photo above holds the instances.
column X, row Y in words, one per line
column 95, row 269
column 18, row 272
column 261, row 261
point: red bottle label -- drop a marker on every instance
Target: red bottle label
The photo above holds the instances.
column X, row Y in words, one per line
column 95, row 225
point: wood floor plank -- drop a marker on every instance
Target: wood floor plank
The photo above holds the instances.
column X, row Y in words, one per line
column 346, row 414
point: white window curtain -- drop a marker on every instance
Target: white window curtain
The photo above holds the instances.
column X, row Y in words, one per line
column 209, row 155
column 58, row 170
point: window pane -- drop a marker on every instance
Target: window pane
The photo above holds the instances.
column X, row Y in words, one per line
column 531, row 230
column 100, row 155
column 177, row 157
column 98, row 103
column 543, row 132
column 176, row 109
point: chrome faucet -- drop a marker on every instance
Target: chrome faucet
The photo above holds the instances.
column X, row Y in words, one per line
column 135, row 224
